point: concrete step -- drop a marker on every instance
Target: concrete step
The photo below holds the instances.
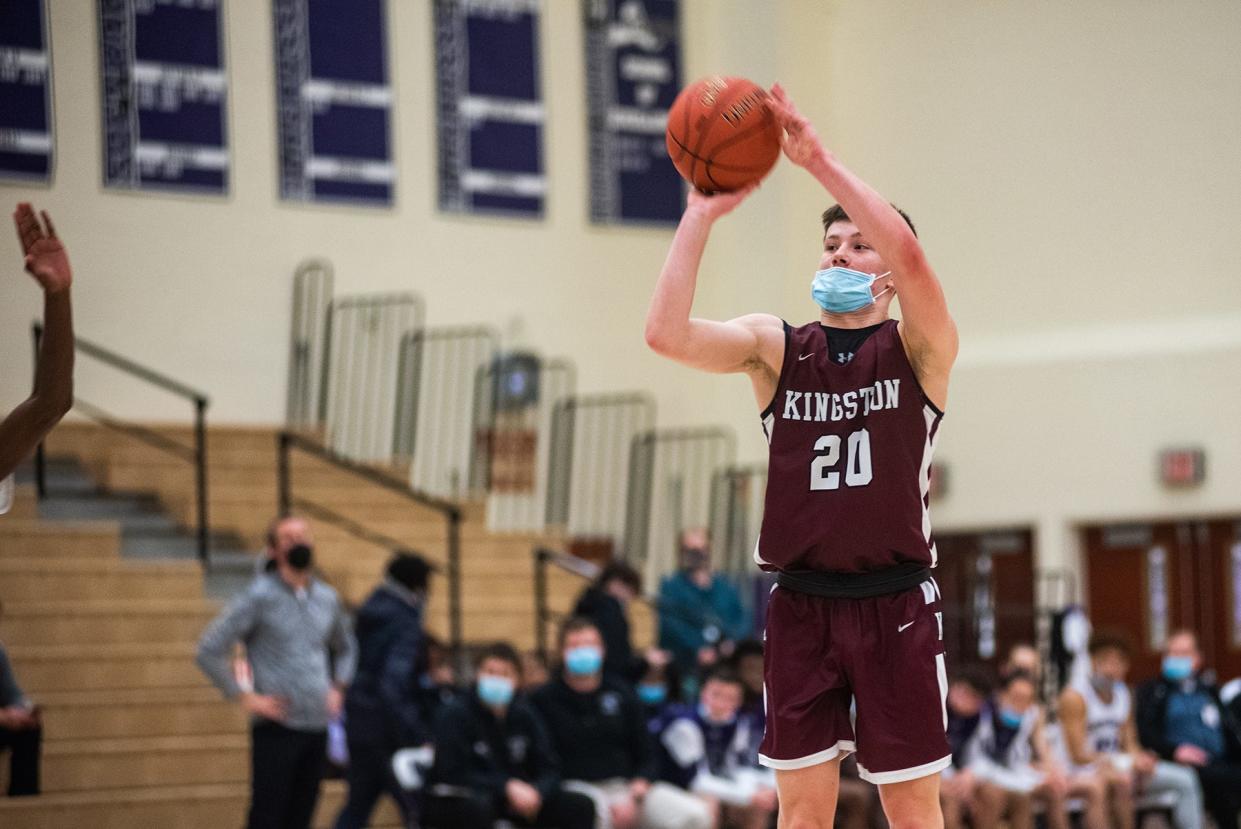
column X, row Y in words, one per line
column 63, row 579
column 73, row 667
column 105, row 621
column 205, row 806
column 36, row 539
column 144, row 712
column 119, row 763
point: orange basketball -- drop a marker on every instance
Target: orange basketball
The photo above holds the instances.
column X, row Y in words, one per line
column 721, row 135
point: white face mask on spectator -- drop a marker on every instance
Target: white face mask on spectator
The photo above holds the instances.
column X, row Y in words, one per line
column 6, row 495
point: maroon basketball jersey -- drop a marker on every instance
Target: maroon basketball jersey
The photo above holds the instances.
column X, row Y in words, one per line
column 850, row 457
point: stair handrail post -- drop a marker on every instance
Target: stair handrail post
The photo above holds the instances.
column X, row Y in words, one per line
column 200, row 479
column 283, row 495
column 455, row 631
column 540, row 602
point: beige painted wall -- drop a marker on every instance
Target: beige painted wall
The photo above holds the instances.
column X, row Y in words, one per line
column 1073, row 170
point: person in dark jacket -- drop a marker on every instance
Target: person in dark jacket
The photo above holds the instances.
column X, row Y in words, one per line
column 493, row 758
column 381, row 709
column 1181, row 718
column 599, row 730
column 606, row 603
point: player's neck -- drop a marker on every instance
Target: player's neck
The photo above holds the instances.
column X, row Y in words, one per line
column 857, row 319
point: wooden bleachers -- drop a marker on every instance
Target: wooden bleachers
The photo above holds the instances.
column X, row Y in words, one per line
column 134, row 735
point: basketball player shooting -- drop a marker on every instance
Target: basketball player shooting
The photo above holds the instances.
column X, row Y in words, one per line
column 850, row 406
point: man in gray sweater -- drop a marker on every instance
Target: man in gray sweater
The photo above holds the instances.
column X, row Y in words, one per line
column 302, row 654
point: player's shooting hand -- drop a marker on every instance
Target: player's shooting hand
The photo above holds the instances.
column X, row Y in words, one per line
column 45, row 257
column 715, row 205
column 801, row 142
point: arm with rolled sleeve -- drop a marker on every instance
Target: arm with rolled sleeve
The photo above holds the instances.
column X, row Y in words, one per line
column 215, row 649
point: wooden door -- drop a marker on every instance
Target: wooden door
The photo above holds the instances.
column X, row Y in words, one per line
column 1148, row 580
column 987, row 582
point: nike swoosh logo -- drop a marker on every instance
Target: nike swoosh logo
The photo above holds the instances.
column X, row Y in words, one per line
column 902, row 627
column 804, row 356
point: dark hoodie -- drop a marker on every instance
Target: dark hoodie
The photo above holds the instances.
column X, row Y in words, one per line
column 381, row 707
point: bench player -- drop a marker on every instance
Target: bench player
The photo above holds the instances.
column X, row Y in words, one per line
column 850, row 404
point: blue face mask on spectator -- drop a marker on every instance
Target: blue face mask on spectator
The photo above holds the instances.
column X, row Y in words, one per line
column 583, row 661
column 1010, row 718
column 652, row 694
column 1176, row 668
column 495, row 691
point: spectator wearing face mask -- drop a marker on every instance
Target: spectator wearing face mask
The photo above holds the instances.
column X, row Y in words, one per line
column 302, row 654
column 599, row 730
column 700, row 612
column 1009, row 757
column 1180, row 717
column 606, row 603
column 709, row 749
column 657, row 688
column 493, row 758
column 1096, row 718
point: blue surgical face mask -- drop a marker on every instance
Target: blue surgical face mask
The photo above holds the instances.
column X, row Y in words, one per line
column 496, row 691
column 1177, row 668
column 583, row 661
column 1010, row 718
column 652, row 694
column 841, row 290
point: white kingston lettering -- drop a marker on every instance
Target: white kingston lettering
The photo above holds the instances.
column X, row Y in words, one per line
column 822, row 406
column 790, row 405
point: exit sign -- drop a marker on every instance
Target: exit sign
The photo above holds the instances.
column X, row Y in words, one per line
column 1182, row 467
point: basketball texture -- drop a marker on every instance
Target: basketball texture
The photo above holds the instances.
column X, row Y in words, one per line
column 721, row 135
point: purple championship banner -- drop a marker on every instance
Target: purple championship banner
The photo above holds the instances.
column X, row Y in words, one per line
column 490, row 107
column 633, row 74
column 165, row 95
column 334, row 101
column 26, row 143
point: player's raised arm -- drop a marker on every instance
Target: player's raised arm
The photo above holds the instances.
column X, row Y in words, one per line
column 928, row 329
column 739, row 345
column 45, row 260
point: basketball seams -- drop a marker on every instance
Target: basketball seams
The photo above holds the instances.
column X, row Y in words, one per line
column 699, row 128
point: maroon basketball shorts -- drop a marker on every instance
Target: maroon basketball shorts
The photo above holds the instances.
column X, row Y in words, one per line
column 864, row 675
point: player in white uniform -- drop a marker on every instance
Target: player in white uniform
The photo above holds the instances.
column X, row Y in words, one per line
column 1096, row 719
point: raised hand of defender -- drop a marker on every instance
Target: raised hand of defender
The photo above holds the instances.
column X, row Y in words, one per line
column 45, row 257
column 801, row 142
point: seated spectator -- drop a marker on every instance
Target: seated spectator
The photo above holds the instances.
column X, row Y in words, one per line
column 493, row 758
column 700, row 612
column 1180, row 717
column 1013, row 765
column 967, row 693
column 437, row 678
column 606, row 603
column 1096, row 719
column 710, row 750
column 658, row 687
column 598, row 729
column 381, row 711
column 747, row 661
column 21, row 731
